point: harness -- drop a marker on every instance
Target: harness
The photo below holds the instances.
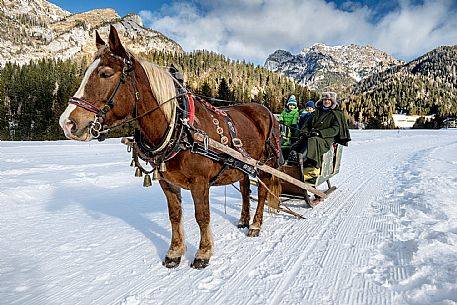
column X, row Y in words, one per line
column 181, row 137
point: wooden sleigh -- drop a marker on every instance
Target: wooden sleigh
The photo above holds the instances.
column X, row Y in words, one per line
column 330, row 167
column 293, row 184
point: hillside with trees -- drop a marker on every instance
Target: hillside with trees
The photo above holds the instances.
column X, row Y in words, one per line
column 426, row 85
column 33, row 96
column 213, row 75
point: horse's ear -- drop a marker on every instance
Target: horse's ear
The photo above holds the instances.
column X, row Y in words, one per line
column 99, row 41
column 115, row 44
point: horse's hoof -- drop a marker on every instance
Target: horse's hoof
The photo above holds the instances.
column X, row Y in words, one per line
column 199, row 263
column 171, row 262
column 253, row 232
column 242, row 225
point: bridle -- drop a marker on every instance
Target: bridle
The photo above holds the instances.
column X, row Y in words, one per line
column 98, row 127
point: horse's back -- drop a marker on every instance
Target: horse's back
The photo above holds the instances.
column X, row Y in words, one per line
column 257, row 114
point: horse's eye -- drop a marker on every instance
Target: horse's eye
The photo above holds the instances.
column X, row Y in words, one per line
column 106, row 73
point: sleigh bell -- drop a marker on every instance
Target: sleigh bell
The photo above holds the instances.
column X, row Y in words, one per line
column 156, row 174
column 162, row 167
column 138, row 172
column 132, row 164
column 147, row 180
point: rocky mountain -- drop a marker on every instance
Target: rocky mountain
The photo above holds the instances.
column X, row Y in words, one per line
column 34, row 29
column 426, row 85
column 323, row 67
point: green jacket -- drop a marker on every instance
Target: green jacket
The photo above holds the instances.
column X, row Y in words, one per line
column 289, row 118
column 333, row 128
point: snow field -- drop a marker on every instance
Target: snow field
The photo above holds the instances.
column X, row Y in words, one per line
column 78, row 228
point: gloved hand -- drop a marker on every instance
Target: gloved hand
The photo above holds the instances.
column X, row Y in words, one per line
column 314, row 133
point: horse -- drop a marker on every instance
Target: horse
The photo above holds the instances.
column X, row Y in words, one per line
column 119, row 87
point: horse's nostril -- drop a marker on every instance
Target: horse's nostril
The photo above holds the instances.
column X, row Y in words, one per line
column 71, row 126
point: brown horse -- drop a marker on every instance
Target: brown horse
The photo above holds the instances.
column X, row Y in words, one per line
column 118, row 86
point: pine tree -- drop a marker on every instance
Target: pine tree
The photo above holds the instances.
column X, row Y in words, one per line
column 206, row 90
column 223, row 92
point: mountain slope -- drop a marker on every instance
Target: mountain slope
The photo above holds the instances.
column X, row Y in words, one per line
column 35, row 29
column 330, row 68
column 426, row 85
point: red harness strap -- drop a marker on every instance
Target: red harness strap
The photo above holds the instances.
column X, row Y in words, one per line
column 191, row 108
column 83, row 104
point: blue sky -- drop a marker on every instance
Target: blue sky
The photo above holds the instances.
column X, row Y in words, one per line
column 253, row 29
column 122, row 7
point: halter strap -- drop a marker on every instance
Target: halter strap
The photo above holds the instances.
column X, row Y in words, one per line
column 84, row 104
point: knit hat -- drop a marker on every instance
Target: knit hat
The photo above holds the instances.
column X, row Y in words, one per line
column 327, row 96
column 292, row 101
column 309, row 104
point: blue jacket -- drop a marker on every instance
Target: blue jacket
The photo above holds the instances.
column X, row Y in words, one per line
column 304, row 116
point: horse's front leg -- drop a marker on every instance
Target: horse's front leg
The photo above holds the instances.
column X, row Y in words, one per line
column 200, row 195
column 246, row 206
column 254, row 228
column 177, row 246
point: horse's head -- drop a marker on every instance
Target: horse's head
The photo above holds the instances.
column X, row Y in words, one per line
column 106, row 94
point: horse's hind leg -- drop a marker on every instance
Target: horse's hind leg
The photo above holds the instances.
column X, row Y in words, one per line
column 177, row 246
column 245, row 208
column 200, row 195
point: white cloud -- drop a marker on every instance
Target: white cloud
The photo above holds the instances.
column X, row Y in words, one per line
column 242, row 29
column 414, row 30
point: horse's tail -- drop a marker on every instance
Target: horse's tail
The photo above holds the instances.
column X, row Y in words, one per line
column 275, row 192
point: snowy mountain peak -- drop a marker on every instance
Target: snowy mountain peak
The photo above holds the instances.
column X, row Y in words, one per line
column 41, row 9
column 324, row 67
column 34, row 29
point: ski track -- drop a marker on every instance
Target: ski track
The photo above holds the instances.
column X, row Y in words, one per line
column 346, row 251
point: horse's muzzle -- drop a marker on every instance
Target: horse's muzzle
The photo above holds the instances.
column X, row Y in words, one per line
column 75, row 131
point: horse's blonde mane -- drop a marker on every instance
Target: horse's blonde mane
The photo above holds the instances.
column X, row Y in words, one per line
column 162, row 87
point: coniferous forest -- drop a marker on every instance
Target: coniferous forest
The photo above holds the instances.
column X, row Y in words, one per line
column 33, row 96
column 426, row 85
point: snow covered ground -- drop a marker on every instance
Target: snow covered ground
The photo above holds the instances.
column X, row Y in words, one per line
column 76, row 227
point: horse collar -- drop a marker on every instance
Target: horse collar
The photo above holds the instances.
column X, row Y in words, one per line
column 169, row 147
